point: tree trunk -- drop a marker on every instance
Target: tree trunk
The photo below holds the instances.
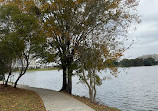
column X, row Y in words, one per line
column 23, row 69
column 91, row 95
column 3, row 78
column 6, row 83
column 69, row 86
column 64, row 79
column 17, row 80
column 64, row 67
column 70, row 71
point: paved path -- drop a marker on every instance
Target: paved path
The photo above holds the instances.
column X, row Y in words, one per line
column 56, row 101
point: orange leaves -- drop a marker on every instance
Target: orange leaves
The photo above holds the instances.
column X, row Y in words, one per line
column 45, row 7
column 79, row 1
column 131, row 1
column 28, row 4
column 22, row 5
column 52, row 30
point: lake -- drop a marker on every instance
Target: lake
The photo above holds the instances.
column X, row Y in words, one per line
column 135, row 89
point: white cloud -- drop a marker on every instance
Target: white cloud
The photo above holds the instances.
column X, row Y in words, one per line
column 147, row 32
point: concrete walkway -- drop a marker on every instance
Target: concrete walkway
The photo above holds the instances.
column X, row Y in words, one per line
column 56, row 101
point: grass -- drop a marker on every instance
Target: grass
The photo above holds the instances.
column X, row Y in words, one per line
column 95, row 106
column 12, row 99
column 42, row 69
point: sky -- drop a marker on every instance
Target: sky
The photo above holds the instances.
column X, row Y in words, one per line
column 146, row 35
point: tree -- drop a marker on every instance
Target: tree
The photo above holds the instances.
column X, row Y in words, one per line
column 138, row 62
column 10, row 45
column 127, row 62
column 95, row 56
column 4, row 62
column 149, row 62
column 31, row 39
column 9, row 50
column 25, row 27
column 69, row 22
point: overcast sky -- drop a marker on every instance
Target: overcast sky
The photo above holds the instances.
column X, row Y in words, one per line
column 146, row 34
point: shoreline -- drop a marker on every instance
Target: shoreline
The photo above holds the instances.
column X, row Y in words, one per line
column 96, row 106
column 46, row 69
column 84, row 100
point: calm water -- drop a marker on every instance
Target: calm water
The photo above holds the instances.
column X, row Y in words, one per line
column 135, row 89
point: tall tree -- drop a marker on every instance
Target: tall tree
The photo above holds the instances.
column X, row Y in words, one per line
column 93, row 57
column 10, row 45
column 23, row 23
column 69, row 22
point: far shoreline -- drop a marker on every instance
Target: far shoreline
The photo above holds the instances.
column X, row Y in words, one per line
column 45, row 69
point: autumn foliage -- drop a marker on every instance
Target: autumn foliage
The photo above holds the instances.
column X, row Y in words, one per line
column 81, row 35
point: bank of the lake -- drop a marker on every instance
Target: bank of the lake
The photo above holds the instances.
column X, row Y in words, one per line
column 96, row 106
column 136, row 88
column 48, row 96
column 45, row 69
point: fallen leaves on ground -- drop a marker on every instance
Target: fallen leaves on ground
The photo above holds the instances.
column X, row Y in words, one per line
column 12, row 99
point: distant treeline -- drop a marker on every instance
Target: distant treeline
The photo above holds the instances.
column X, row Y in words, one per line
column 136, row 62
